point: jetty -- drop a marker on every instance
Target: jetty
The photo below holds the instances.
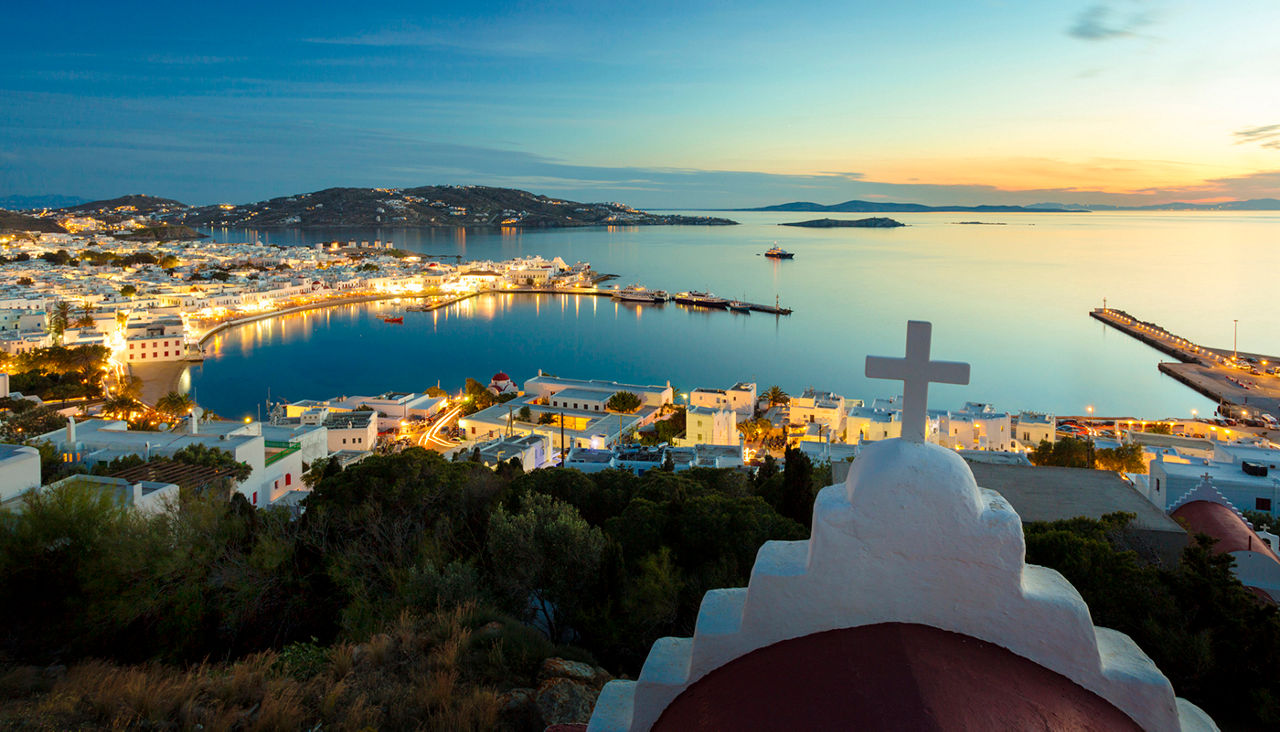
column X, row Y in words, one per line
column 1243, row 383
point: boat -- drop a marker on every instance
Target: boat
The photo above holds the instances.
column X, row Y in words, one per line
column 660, row 296
column 396, row 319
column 635, row 293
column 701, row 299
column 778, row 252
column 739, row 306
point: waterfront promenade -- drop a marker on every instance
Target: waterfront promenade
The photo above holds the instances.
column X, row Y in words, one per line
column 1243, row 382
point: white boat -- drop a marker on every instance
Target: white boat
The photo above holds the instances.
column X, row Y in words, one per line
column 635, row 293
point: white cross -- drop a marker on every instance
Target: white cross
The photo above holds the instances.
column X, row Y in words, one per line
column 916, row 372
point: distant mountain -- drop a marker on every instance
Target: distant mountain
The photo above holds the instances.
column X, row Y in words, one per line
column 425, row 207
column 1253, row 204
column 26, row 203
column 11, row 221
column 879, row 207
column 1256, row 204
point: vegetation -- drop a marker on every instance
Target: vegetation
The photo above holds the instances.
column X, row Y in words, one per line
column 623, row 401
column 128, row 291
column 1124, row 459
column 1202, row 628
column 665, row 430
column 1071, row 452
column 413, row 590
column 58, row 372
column 175, row 405
column 775, row 396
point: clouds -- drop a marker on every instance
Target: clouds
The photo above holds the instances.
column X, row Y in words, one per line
column 1266, row 136
column 1109, row 20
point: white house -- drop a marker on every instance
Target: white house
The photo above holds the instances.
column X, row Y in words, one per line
column 824, row 408
column 739, row 398
column 710, row 426
column 19, row 470
column 1032, row 428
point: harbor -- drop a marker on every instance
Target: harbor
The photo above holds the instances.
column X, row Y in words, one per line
column 1246, row 385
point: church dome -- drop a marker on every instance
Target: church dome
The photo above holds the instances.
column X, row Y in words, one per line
column 500, row 377
column 888, row 676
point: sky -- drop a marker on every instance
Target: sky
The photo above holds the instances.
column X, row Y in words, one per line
column 658, row 104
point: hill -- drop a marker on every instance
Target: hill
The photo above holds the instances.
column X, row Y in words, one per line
column 138, row 204
column 856, row 206
column 11, row 221
column 425, row 207
column 162, row 232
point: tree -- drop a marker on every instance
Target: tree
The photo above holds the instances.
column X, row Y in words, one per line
column 775, row 395
column 59, row 319
column 797, row 487
column 543, row 556
column 174, row 405
column 525, row 414
column 1125, row 459
column 121, row 406
column 435, row 391
column 1068, row 452
column 128, row 291
column 546, row 418
column 623, row 401
column 86, row 315
column 212, row 457
column 25, row 281
column 168, row 261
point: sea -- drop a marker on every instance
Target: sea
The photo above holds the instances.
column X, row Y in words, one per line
column 1010, row 295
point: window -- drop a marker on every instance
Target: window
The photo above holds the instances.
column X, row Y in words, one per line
column 1262, row 504
column 166, row 353
column 130, row 346
column 344, row 440
column 288, row 478
column 142, row 355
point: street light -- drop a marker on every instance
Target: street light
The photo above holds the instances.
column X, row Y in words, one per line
column 1235, row 331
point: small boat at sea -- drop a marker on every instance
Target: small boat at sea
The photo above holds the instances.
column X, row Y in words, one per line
column 635, row 293
column 660, row 296
column 739, row 306
column 778, row 252
column 396, row 319
column 701, row 299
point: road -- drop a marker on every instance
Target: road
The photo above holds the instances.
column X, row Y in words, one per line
column 431, row 439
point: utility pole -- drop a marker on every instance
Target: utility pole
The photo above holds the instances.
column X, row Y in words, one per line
column 1235, row 341
column 564, row 453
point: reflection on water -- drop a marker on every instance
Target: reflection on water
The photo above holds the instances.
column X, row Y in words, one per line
column 1012, row 300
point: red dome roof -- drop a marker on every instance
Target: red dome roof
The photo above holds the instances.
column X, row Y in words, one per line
column 889, row 676
column 501, row 376
column 1220, row 522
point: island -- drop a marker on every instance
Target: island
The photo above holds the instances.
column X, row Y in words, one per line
column 454, row 206
column 875, row 222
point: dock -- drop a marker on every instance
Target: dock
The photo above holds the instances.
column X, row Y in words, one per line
column 1241, row 383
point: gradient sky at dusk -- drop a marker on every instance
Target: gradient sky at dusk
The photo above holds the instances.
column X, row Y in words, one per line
column 655, row 103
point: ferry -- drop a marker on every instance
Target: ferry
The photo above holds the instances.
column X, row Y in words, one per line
column 397, row 319
column 778, row 252
column 701, row 299
column 635, row 293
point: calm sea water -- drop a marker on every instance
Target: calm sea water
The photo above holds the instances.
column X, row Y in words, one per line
column 1011, row 299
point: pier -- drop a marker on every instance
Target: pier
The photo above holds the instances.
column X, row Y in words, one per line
column 1245, row 384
